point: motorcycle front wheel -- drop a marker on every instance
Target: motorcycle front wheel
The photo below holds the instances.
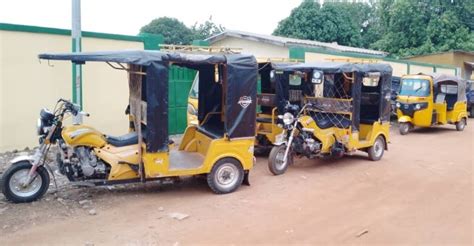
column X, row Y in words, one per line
column 14, row 177
column 276, row 162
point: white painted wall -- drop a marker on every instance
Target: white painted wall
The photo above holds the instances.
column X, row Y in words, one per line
column 258, row 49
column 26, row 85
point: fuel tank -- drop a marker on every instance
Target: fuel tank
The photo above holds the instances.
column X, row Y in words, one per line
column 82, row 135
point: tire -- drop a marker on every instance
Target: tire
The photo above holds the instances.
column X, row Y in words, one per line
column 36, row 189
column 221, row 172
column 460, row 125
column 274, row 164
column 404, row 128
column 376, row 151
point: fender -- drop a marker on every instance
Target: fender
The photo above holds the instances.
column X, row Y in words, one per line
column 280, row 139
column 18, row 159
column 462, row 115
column 405, row 119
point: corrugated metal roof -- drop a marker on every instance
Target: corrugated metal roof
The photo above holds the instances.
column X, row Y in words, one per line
column 283, row 41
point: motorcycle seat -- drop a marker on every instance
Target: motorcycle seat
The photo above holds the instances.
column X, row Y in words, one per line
column 128, row 139
column 124, row 140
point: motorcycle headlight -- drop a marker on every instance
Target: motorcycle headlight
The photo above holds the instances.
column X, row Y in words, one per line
column 288, row 118
column 398, row 105
column 39, row 126
column 191, row 109
column 417, row 106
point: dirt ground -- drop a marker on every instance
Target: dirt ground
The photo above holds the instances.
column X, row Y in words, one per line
column 419, row 193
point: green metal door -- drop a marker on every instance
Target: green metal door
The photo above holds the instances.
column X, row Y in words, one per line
column 180, row 81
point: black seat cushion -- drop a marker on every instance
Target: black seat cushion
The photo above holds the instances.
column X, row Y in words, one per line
column 264, row 120
column 128, row 139
column 124, row 140
column 450, row 101
column 327, row 120
column 211, row 130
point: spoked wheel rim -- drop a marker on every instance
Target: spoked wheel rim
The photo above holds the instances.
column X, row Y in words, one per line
column 227, row 175
column 280, row 162
column 18, row 179
column 378, row 148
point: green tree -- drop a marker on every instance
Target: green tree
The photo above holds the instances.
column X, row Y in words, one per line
column 344, row 23
column 207, row 29
column 173, row 30
column 425, row 26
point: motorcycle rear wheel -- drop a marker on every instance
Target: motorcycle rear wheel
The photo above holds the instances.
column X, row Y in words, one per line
column 12, row 178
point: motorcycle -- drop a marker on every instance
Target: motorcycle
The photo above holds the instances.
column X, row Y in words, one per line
column 295, row 140
column 27, row 179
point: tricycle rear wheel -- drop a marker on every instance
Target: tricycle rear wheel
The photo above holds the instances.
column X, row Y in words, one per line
column 460, row 125
column 376, row 151
column 226, row 176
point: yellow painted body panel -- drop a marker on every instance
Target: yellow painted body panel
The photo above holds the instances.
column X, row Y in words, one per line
column 82, row 135
column 192, row 119
column 423, row 118
column 114, row 155
column 212, row 150
column 352, row 140
column 269, row 130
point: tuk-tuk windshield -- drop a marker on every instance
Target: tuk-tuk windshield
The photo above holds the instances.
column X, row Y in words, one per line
column 194, row 92
column 415, row 87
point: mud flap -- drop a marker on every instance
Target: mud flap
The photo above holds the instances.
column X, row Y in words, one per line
column 246, row 180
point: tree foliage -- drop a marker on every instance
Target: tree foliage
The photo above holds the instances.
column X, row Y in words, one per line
column 425, row 26
column 173, row 30
column 401, row 27
column 176, row 32
column 204, row 30
column 344, row 23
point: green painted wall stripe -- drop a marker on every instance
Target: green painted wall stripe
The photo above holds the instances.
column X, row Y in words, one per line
column 66, row 32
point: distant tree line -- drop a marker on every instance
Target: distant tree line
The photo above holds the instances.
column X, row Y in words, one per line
column 401, row 27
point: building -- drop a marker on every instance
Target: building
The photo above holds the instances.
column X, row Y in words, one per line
column 310, row 51
column 458, row 58
column 27, row 84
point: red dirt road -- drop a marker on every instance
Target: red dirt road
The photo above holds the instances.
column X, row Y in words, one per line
column 419, row 193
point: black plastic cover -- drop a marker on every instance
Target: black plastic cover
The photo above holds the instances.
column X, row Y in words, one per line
column 241, row 72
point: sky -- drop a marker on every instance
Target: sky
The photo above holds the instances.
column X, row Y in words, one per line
column 126, row 17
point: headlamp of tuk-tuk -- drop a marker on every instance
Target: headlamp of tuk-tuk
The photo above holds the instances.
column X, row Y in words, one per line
column 420, row 106
column 398, row 105
column 288, row 118
column 191, row 109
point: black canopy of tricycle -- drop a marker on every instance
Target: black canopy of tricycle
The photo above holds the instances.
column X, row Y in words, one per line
column 238, row 94
column 360, row 95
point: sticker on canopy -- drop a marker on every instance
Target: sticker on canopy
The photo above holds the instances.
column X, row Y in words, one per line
column 245, row 101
